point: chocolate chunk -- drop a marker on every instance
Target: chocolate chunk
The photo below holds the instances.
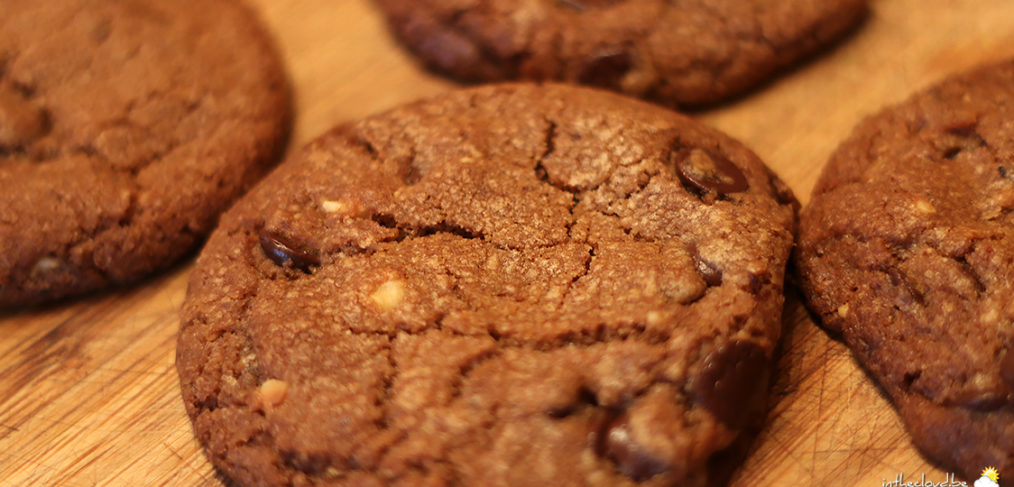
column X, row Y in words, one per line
column 709, row 171
column 607, row 69
column 617, row 443
column 283, row 251
column 732, row 381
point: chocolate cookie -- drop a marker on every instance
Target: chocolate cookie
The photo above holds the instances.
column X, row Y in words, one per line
column 677, row 53
column 510, row 285
column 908, row 250
column 126, row 127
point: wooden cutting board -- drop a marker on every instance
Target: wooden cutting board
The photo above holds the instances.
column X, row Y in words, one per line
column 88, row 390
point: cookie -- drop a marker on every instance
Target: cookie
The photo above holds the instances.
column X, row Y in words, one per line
column 675, row 53
column 125, row 128
column 907, row 249
column 508, row 285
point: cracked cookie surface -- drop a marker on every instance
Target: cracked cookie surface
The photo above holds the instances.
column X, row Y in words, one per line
column 908, row 250
column 509, row 285
column 676, row 52
column 125, row 128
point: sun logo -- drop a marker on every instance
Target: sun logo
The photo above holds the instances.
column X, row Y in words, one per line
column 990, row 478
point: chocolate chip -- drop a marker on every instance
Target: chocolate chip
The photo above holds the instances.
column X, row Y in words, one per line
column 952, row 152
column 708, row 171
column 708, row 271
column 284, row 252
column 732, row 381
column 711, row 274
column 959, row 137
column 585, row 398
column 616, row 442
column 757, row 282
column 976, row 400
column 909, row 378
column 783, row 194
column 964, row 128
column 411, row 175
column 607, row 69
column 20, row 120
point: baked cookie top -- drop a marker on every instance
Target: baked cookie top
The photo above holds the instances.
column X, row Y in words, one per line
column 125, row 128
column 686, row 52
column 508, row 285
column 908, row 249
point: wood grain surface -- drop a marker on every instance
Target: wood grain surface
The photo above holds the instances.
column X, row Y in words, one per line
column 88, row 390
